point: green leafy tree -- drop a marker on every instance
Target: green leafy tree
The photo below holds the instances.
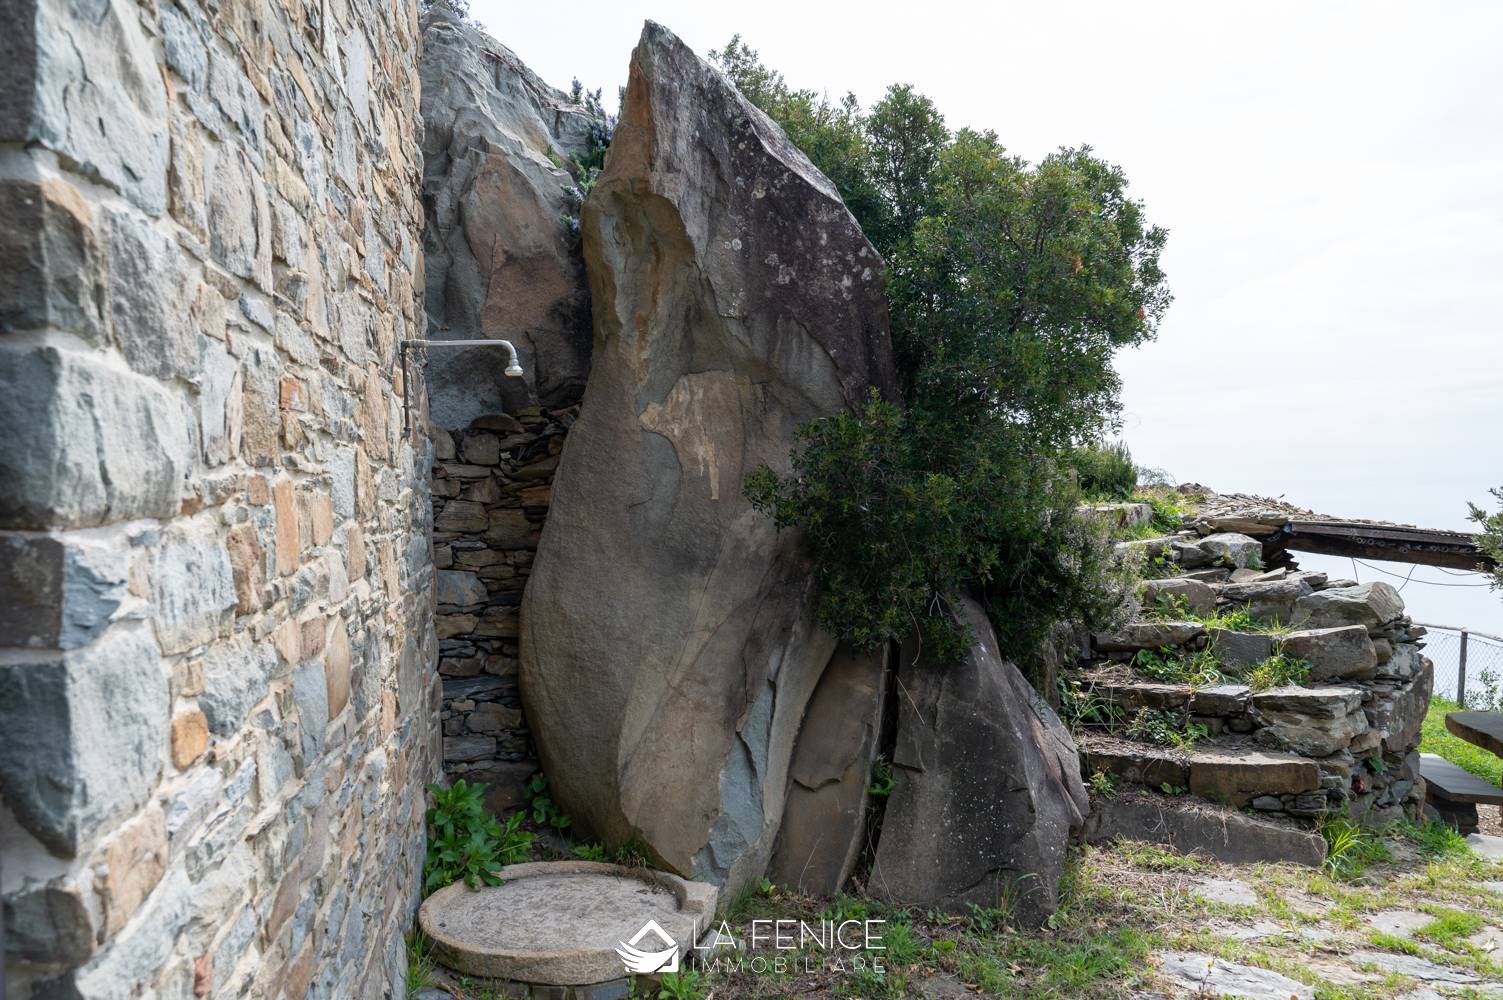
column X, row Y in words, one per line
column 1011, row 286
column 907, row 136
column 1490, row 536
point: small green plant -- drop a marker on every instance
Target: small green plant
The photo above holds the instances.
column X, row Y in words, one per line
column 1103, row 784
column 544, row 812
column 883, row 780
column 590, row 852
column 419, row 962
column 1350, row 847
column 1079, row 707
column 1166, row 729
column 1199, row 668
column 1169, row 789
column 682, row 985
column 1279, row 670
column 466, row 842
column 989, row 919
column 1168, row 512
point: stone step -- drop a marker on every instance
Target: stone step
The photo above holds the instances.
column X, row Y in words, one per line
column 1230, row 773
column 1194, row 827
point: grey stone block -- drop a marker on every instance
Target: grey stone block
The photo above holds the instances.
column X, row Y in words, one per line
column 97, row 96
column 192, row 588
column 57, row 594
column 236, row 676
column 84, row 737
column 83, row 444
column 150, row 295
column 49, row 259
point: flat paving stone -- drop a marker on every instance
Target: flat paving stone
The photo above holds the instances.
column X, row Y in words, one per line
column 562, row 923
column 1413, row 966
column 1399, row 923
column 1488, row 939
column 1487, row 846
column 1225, row 890
column 1252, row 932
column 1206, row 975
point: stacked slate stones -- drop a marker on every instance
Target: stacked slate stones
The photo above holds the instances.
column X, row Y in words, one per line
column 491, row 487
column 1340, row 741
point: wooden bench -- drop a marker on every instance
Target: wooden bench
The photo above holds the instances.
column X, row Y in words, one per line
column 1455, row 794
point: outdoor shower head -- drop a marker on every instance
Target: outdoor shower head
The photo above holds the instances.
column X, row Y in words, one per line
column 513, row 367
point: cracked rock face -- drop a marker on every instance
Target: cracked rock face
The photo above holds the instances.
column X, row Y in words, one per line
column 988, row 790
column 669, row 646
column 502, row 258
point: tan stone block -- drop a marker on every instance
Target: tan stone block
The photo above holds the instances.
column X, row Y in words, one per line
column 388, row 713
column 289, row 539
column 321, row 517
column 293, row 394
column 354, row 555
column 203, row 975
column 246, row 564
column 373, row 413
column 190, row 738
column 188, row 678
column 337, row 668
column 284, row 904
column 365, row 492
column 132, row 864
column 313, row 630
column 288, row 640
column 257, row 490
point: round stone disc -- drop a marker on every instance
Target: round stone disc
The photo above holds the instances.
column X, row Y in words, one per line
column 560, row 923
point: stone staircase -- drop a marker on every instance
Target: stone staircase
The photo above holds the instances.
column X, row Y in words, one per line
column 1302, row 697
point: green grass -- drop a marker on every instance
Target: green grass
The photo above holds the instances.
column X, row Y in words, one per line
column 1437, row 739
column 1200, row 668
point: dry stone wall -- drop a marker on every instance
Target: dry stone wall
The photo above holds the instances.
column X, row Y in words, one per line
column 217, row 710
column 492, row 483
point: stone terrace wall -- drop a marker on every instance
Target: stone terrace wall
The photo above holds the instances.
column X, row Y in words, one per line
column 492, row 483
column 217, row 713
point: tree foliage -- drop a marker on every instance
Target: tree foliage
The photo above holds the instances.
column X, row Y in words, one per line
column 1011, row 286
column 1490, row 535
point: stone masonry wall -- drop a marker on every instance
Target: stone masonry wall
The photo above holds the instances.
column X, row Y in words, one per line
column 217, row 713
column 491, row 489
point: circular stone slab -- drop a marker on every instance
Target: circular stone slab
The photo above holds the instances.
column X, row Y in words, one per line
column 559, row 923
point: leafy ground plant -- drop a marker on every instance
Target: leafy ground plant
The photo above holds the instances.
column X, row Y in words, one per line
column 466, row 842
column 1166, row 729
column 1279, row 670
column 1199, row 668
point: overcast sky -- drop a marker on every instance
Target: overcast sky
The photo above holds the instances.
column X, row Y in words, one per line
column 1331, row 175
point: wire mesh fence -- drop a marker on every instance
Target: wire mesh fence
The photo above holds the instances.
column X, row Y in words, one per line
column 1468, row 666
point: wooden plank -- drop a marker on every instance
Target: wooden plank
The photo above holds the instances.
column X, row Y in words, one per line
column 1482, row 728
column 1452, row 549
column 1449, row 782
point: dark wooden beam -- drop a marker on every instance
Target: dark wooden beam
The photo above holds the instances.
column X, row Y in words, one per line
column 1452, row 549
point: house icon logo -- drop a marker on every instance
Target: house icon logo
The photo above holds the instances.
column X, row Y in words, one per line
column 638, row 961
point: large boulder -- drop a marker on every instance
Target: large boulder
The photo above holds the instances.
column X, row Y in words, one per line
column 988, row 789
column 502, row 257
column 824, row 820
column 669, row 646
